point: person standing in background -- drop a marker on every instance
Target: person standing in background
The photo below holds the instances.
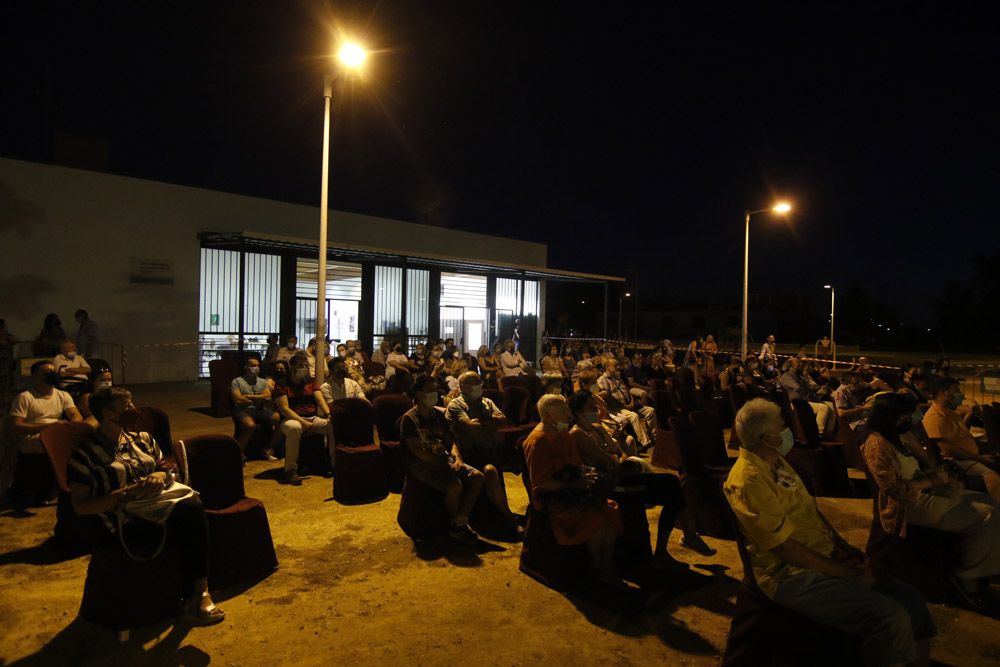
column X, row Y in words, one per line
column 87, row 335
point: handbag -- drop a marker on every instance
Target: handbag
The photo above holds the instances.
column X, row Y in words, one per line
column 155, row 509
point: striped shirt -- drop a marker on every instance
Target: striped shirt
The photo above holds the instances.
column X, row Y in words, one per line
column 104, row 466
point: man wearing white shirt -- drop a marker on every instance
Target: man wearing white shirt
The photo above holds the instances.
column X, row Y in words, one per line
column 41, row 406
column 339, row 385
column 72, row 368
column 511, row 361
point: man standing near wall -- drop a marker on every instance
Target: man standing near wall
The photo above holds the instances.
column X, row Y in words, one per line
column 86, row 335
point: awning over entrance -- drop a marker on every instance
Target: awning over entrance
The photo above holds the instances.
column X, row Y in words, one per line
column 352, row 252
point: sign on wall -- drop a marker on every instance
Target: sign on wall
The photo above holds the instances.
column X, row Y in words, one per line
column 151, row 271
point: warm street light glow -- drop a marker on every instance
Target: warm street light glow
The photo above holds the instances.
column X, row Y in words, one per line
column 826, row 287
column 782, row 207
column 352, row 55
column 628, row 294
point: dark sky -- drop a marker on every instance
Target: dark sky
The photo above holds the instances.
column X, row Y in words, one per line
column 624, row 137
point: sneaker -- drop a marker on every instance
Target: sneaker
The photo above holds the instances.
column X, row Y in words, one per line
column 463, row 534
column 291, row 477
column 269, row 456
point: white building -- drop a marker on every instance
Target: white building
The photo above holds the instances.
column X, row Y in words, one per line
column 160, row 268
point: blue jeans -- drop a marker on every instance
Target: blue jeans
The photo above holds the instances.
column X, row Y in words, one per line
column 890, row 618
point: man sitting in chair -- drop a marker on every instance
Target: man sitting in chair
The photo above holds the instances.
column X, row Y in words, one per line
column 802, row 563
column 300, row 404
column 624, row 407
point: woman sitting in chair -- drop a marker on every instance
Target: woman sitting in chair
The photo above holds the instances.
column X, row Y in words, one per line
column 911, row 493
column 118, row 477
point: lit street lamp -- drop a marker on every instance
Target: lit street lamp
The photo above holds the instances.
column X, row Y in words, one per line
column 351, row 57
column 627, row 295
column 780, row 208
column 833, row 298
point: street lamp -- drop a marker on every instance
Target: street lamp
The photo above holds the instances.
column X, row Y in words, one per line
column 351, row 57
column 627, row 294
column 780, row 208
column 833, row 300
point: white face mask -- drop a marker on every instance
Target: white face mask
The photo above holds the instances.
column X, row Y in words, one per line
column 474, row 391
column 560, row 427
column 71, row 355
column 290, row 346
column 430, row 400
column 100, row 384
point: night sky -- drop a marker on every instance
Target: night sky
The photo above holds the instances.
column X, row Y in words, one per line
column 624, row 137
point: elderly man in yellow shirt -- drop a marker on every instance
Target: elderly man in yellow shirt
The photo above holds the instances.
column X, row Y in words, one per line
column 946, row 427
column 802, row 563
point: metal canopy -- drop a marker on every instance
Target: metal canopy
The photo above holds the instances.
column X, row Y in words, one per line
column 264, row 242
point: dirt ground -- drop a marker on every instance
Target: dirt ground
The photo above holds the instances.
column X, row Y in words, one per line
column 352, row 588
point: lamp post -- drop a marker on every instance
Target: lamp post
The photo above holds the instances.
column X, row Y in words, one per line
column 627, row 294
column 780, row 208
column 351, row 56
column 833, row 301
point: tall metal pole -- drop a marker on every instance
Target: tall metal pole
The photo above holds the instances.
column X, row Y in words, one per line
column 323, row 211
column 833, row 345
column 746, row 275
column 619, row 318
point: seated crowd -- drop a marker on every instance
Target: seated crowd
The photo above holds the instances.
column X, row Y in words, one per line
column 594, row 421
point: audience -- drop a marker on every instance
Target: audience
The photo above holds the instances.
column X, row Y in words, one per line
column 624, row 408
column 909, row 493
column 87, row 335
column 769, row 358
column 42, row 405
column 72, row 368
column 381, row 355
column 511, row 360
column 273, row 348
column 433, row 457
column 623, row 469
column 949, row 431
column 489, row 364
column 300, row 405
column 253, row 407
column 338, row 384
column 851, row 399
column 568, row 491
column 802, row 563
column 289, row 350
column 100, row 378
column 49, row 341
column 115, row 467
column 798, row 385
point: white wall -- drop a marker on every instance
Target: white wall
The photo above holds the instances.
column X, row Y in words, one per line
column 67, row 236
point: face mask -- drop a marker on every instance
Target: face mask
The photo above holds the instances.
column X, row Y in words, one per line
column 301, row 374
column 475, row 391
column 252, row 371
column 956, row 400
column 430, row 400
column 52, row 378
column 101, row 384
column 290, row 346
column 590, row 417
column 340, row 373
column 71, row 355
column 787, row 441
column 560, row 427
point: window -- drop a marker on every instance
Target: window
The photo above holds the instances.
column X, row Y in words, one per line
column 343, row 293
column 464, row 315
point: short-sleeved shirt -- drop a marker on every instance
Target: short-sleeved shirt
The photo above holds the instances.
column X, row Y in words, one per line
column 103, row 465
column 241, row 385
column 431, row 430
column 617, row 392
column 460, row 410
column 350, row 389
column 300, row 398
column 772, row 505
column 62, row 362
column 36, row 409
column 399, row 358
column 946, row 426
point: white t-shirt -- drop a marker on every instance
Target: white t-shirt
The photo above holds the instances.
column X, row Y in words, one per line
column 351, row 389
column 398, row 358
column 63, row 362
column 37, row 409
column 512, row 364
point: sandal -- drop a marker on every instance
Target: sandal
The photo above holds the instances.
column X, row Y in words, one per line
column 194, row 615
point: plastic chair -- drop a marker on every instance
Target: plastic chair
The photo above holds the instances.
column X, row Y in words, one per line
column 713, row 442
column 701, row 483
column 359, row 471
column 72, row 532
column 240, row 545
column 388, row 410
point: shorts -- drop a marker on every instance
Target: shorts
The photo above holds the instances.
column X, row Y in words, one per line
column 438, row 475
column 259, row 414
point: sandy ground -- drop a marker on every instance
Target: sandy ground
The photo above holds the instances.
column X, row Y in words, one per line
column 352, row 588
